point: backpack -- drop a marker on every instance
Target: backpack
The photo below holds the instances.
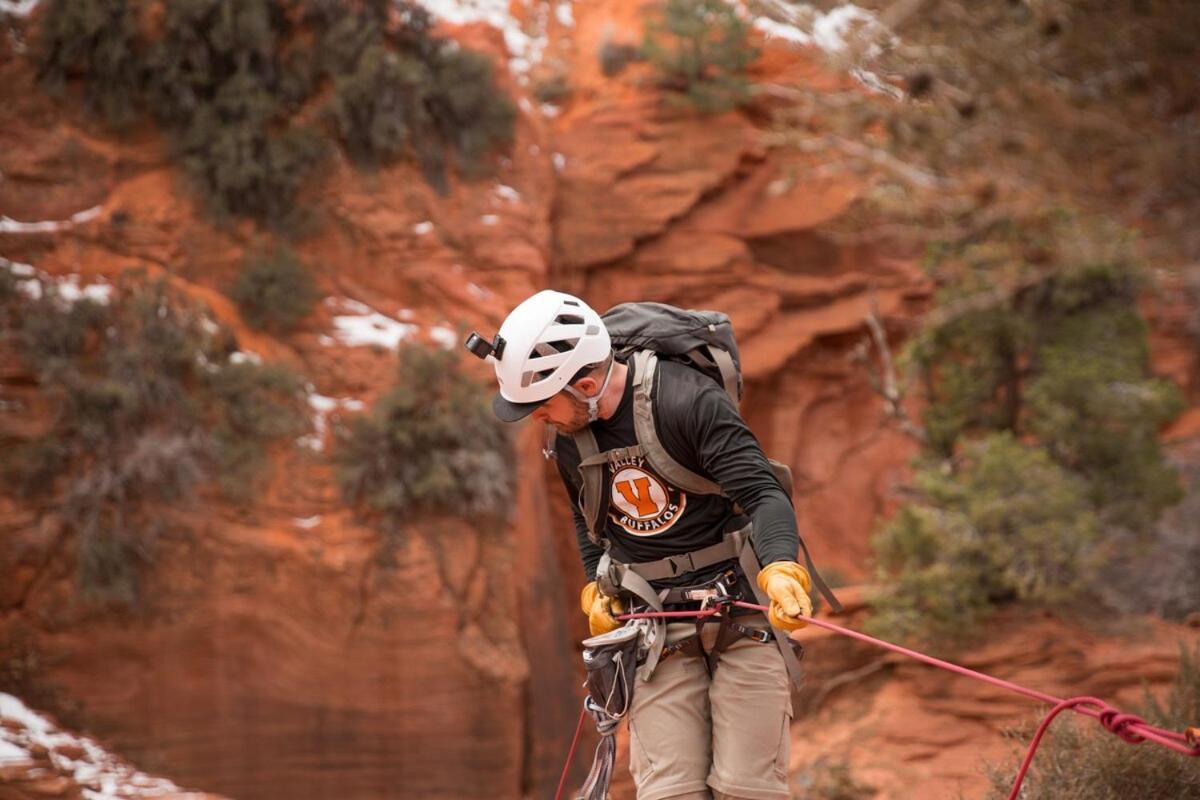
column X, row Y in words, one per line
column 703, row 340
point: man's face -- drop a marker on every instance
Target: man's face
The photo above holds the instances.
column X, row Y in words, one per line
column 566, row 412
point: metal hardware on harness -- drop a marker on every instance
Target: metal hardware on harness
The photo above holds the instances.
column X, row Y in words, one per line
column 720, row 596
column 715, row 595
column 760, row 635
column 700, row 594
column 717, row 599
column 722, row 587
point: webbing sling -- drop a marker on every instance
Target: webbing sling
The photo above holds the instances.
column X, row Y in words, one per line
column 750, row 566
column 613, row 577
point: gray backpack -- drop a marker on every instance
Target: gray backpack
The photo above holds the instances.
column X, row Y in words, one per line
column 645, row 333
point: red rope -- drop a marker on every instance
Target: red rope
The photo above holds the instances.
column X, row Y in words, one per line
column 562, row 781
column 1110, row 718
column 1130, row 728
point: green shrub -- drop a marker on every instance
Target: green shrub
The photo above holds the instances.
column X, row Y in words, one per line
column 828, row 780
column 1037, row 337
column 370, row 105
column 1157, row 574
column 553, row 88
column 226, row 87
column 1066, row 362
column 1093, row 401
column 1079, row 761
column 257, row 404
column 469, row 114
column 205, row 44
column 242, row 168
column 430, row 446
column 97, row 40
column 401, row 92
column 972, row 377
column 146, row 406
column 615, row 57
column 1009, row 524
column 229, row 81
column 274, row 292
column 700, row 49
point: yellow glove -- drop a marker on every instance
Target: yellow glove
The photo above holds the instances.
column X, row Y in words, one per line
column 600, row 609
column 787, row 584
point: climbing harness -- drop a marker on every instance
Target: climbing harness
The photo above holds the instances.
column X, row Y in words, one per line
column 650, row 447
column 719, row 594
column 1128, row 727
column 617, row 578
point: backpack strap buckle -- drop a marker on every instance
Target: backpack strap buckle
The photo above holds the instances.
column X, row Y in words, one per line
column 680, row 563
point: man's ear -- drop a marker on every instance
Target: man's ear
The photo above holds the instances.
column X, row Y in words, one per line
column 587, row 386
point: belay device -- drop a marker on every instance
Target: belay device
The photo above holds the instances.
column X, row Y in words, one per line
column 611, row 661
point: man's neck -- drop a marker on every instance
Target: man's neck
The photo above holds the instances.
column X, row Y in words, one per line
column 615, row 390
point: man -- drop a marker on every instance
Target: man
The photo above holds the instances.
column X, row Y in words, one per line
column 711, row 720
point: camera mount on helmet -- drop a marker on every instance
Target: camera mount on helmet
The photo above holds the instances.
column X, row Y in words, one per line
column 483, row 349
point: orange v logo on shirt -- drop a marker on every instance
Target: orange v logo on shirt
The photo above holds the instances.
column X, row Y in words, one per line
column 641, row 502
column 637, row 494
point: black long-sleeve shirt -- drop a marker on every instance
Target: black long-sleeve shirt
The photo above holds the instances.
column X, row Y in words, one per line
column 644, row 516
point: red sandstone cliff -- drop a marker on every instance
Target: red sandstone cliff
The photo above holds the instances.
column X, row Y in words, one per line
column 276, row 659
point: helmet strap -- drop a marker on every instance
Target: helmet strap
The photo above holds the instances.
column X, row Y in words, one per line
column 593, row 402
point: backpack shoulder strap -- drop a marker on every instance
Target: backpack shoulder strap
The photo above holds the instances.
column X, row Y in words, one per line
column 645, row 363
column 591, row 471
column 721, row 361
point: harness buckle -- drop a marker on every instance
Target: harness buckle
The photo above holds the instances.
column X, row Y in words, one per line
column 760, row 635
column 681, row 563
column 609, row 581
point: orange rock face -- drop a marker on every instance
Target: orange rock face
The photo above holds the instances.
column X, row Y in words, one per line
column 277, row 656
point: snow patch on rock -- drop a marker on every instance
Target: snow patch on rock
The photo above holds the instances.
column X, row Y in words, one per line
column 18, row 8
column 564, row 12
column 444, row 336
column 508, row 193
column 833, row 31
column 525, row 47
column 68, row 289
column 322, row 406
column 358, row 325
column 10, row 225
column 245, row 357
column 99, row 774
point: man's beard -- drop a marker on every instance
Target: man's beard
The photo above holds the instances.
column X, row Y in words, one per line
column 578, row 421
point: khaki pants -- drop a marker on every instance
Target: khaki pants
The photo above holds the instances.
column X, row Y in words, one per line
column 689, row 734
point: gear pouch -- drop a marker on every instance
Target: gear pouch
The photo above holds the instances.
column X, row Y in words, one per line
column 611, row 661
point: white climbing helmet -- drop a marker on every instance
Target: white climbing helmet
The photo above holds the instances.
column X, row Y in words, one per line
column 546, row 340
